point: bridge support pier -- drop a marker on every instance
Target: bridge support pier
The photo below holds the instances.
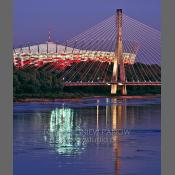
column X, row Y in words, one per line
column 124, row 90
column 114, row 89
column 114, row 77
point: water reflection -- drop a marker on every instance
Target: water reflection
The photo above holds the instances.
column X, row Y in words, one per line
column 97, row 114
column 62, row 136
column 63, row 123
column 118, row 113
column 58, row 125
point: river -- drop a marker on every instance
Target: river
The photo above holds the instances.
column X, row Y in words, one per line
column 91, row 136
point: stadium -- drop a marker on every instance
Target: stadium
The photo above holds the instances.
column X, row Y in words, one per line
column 61, row 56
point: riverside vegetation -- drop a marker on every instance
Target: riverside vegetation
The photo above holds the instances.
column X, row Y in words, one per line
column 37, row 83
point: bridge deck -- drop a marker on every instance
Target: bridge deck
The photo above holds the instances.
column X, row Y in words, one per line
column 110, row 83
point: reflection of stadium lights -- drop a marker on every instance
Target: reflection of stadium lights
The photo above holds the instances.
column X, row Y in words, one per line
column 61, row 132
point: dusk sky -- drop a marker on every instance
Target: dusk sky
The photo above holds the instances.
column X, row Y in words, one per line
column 66, row 18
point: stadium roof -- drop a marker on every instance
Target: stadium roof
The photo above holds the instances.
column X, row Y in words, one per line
column 49, row 47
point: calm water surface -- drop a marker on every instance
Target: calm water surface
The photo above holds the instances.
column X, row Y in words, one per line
column 88, row 137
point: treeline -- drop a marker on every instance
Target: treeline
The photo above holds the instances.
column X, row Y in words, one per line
column 38, row 83
column 143, row 90
column 106, row 90
column 30, row 81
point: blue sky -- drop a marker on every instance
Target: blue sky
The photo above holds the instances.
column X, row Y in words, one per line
column 67, row 18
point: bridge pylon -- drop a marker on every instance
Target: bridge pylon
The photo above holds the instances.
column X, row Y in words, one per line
column 118, row 59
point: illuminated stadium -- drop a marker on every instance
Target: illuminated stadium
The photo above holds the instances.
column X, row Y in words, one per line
column 61, row 56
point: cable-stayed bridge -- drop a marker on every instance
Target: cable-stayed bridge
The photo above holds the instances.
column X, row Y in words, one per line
column 118, row 52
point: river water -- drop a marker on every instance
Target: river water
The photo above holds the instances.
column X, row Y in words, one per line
column 92, row 136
